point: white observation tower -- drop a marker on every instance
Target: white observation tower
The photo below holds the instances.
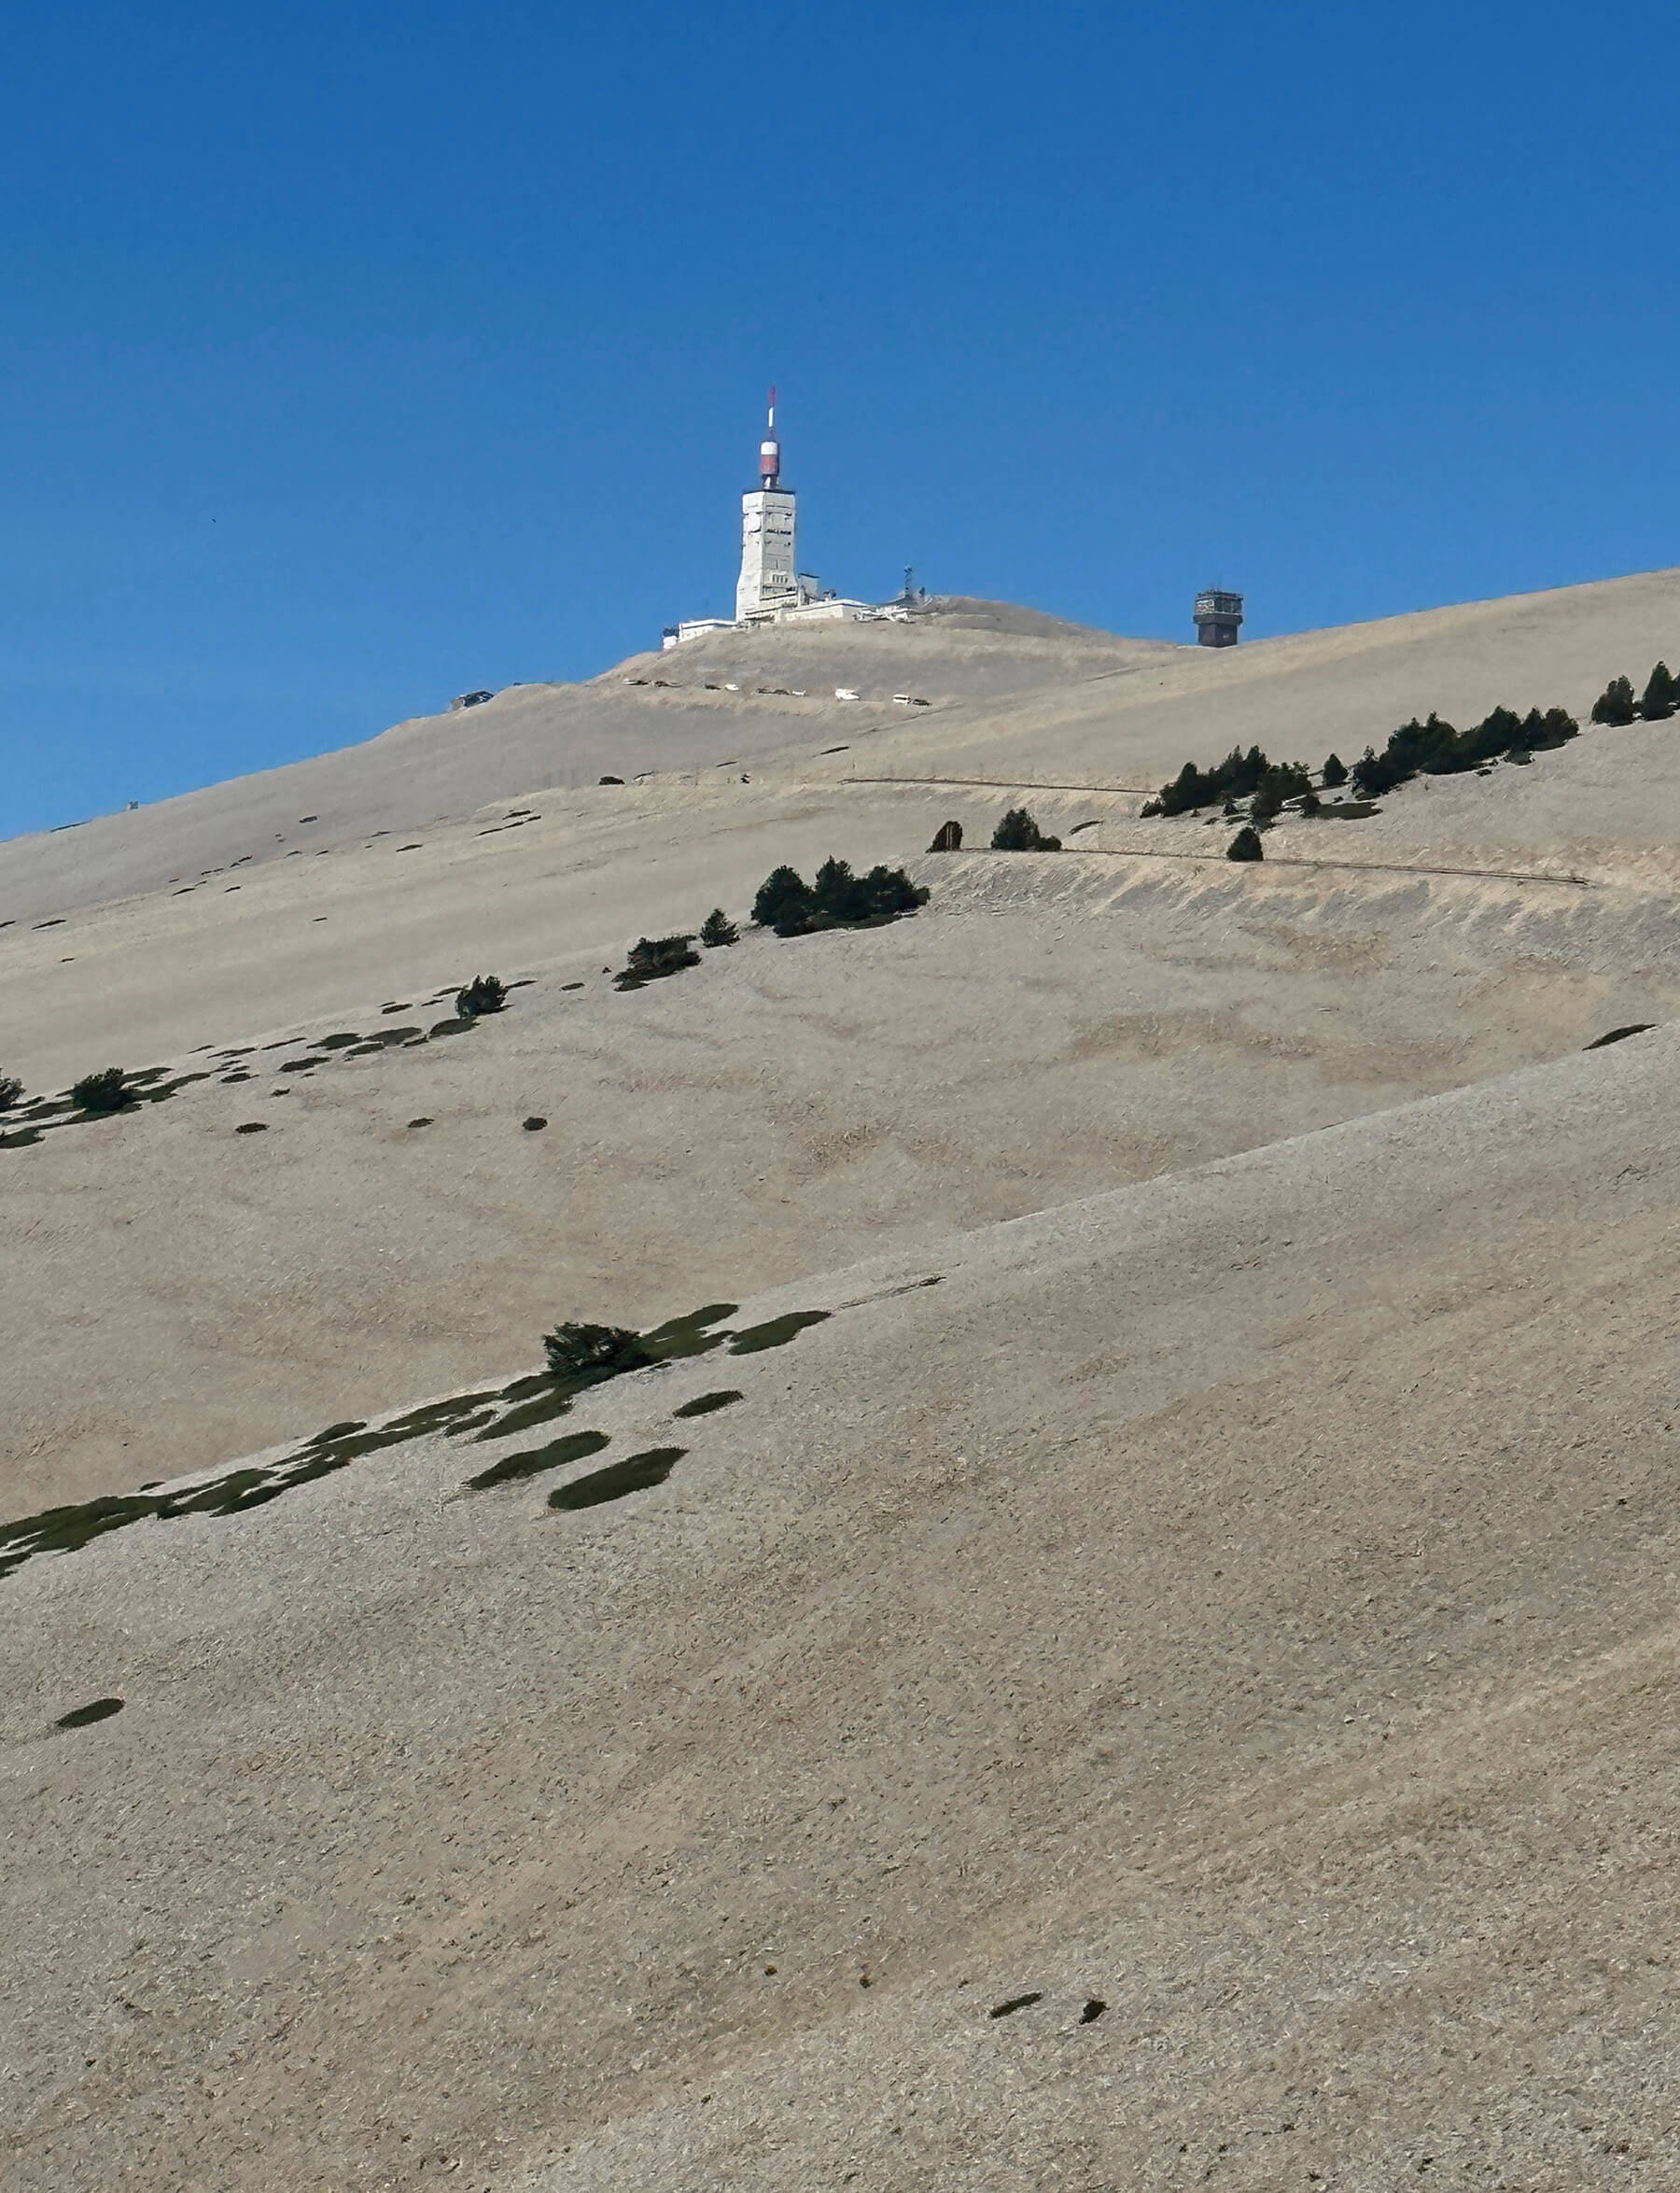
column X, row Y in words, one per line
column 768, row 579
column 771, row 589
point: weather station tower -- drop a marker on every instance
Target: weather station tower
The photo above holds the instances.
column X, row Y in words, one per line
column 769, row 575
column 1218, row 617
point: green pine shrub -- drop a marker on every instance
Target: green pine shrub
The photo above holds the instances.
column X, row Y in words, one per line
column 586, row 1354
column 1246, row 845
column 1661, row 694
column 718, row 930
column 1281, row 781
column 652, row 958
column 1336, row 773
column 12, row 1089
column 783, row 896
column 838, row 899
column 484, row 994
column 1616, row 704
column 107, row 1091
column 1019, row 832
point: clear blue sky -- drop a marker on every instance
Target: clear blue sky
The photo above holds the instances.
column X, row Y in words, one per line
column 354, row 353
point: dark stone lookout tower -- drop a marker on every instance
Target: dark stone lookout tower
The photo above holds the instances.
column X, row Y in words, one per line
column 1217, row 617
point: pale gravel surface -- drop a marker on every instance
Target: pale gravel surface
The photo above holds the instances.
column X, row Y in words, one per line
column 1245, row 1595
column 1302, row 695
column 790, row 1108
column 539, row 737
column 761, row 1118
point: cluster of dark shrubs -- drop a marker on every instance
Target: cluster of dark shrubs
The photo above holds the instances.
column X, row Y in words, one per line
column 1658, row 701
column 109, row 1090
column 12, row 1089
column 838, row 899
column 652, row 958
column 1431, row 749
column 785, row 903
column 586, row 1354
column 1281, row 783
column 1438, row 748
column 484, row 994
column 1018, row 833
column 1246, row 845
column 1240, row 776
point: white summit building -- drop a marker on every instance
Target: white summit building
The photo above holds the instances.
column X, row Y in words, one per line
column 772, row 589
column 769, row 579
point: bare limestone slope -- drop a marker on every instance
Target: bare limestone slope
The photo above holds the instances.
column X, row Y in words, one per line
column 1046, row 1027
column 1186, row 1698
column 708, row 705
column 1130, row 1640
column 1301, row 694
column 1015, row 695
column 1043, row 1028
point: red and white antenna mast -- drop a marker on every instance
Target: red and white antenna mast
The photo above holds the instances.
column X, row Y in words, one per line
column 770, row 451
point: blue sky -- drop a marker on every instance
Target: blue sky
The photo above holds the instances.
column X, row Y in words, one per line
column 353, row 355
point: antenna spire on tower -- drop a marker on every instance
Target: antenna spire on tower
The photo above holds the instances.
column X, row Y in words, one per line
column 770, row 451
